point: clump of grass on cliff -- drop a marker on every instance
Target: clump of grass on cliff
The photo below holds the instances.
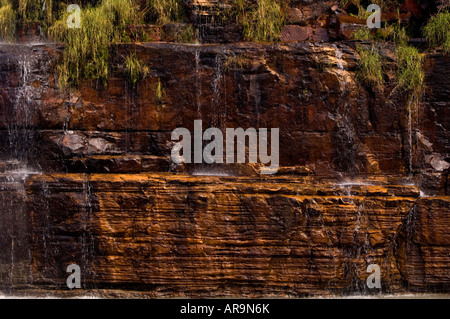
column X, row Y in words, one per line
column 437, row 31
column 362, row 34
column 86, row 53
column 262, row 21
column 370, row 67
column 7, row 21
column 29, row 10
column 135, row 69
column 236, row 62
column 399, row 34
column 165, row 11
column 410, row 74
column 185, row 35
column 393, row 32
column 34, row 10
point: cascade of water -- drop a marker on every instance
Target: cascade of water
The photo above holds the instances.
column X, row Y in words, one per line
column 198, row 88
column 46, row 223
column 412, row 105
column 410, row 141
column 87, row 238
column 15, row 255
column 14, row 217
column 339, row 54
column 217, row 81
column 255, row 92
column 19, row 127
column 211, row 172
column 208, row 20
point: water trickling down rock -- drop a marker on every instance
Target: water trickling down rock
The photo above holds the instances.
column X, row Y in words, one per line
column 97, row 188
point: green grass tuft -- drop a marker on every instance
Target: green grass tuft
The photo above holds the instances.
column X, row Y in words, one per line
column 399, row 35
column 7, row 21
column 86, row 54
column 34, row 10
column 370, row 67
column 362, row 34
column 235, row 62
column 410, row 74
column 166, row 11
column 437, row 31
column 261, row 22
column 185, row 35
column 135, row 69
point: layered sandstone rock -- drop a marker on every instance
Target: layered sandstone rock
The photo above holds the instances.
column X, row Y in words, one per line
column 195, row 236
column 332, row 123
column 86, row 175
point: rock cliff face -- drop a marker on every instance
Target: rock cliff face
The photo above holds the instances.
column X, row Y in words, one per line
column 86, row 175
column 177, row 235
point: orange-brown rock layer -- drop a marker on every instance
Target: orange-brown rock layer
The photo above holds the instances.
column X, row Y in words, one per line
column 208, row 236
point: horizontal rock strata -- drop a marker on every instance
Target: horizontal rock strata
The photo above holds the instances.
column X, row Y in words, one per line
column 86, row 175
column 180, row 235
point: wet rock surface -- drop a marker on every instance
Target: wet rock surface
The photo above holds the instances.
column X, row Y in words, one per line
column 86, row 175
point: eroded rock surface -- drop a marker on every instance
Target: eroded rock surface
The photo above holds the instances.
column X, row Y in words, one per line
column 361, row 181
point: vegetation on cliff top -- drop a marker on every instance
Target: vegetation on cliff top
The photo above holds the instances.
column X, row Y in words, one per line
column 437, row 31
column 7, row 21
column 410, row 75
column 87, row 49
column 86, row 55
column 165, row 11
column 262, row 21
column 35, row 10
